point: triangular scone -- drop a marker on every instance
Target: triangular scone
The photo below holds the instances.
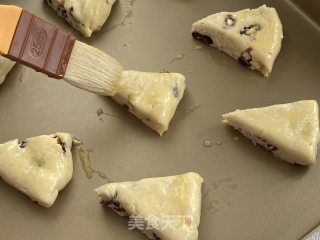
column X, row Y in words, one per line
column 290, row 131
column 253, row 37
column 87, row 16
column 5, row 66
column 151, row 97
column 39, row 166
column 168, row 208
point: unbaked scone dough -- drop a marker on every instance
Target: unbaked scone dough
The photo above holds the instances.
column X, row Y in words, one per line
column 87, row 16
column 158, row 201
column 5, row 66
column 251, row 36
column 290, row 131
column 151, row 97
column 38, row 166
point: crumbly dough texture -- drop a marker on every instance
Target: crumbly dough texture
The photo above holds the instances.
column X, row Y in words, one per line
column 151, row 97
column 5, row 66
column 178, row 197
column 39, row 166
column 87, row 16
column 251, row 36
column 290, row 131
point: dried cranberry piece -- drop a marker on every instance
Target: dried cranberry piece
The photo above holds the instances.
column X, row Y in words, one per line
column 271, row 148
column 202, row 37
column 175, row 90
column 230, row 20
column 156, row 237
column 245, row 58
column 23, row 144
column 250, row 30
column 62, row 12
column 62, row 144
column 115, row 205
column 126, row 107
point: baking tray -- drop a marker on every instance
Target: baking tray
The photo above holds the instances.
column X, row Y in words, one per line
column 247, row 193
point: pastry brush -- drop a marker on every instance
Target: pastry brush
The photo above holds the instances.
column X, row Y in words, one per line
column 44, row 47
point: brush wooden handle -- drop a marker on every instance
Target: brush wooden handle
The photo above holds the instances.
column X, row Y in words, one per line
column 9, row 18
column 34, row 42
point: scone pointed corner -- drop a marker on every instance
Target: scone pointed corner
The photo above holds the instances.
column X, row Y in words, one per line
column 176, row 199
column 85, row 16
column 290, row 131
column 253, row 37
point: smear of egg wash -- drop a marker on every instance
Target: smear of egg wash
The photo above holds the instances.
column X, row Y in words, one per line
column 207, row 143
column 198, row 47
column 84, row 156
column 178, row 57
column 186, row 112
column 189, row 110
column 100, row 112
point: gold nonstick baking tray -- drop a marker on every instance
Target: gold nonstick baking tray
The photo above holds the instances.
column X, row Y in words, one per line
column 247, row 193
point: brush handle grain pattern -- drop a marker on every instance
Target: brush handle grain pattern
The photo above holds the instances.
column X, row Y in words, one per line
column 41, row 46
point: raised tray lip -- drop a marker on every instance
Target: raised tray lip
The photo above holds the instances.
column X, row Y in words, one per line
column 310, row 9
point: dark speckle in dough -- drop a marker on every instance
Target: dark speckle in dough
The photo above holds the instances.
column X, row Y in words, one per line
column 23, row 144
column 62, row 144
column 245, row 58
column 202, row 37
column 250, row 30
column 115, row 205
column 230, row 20
column 156, row 237
column 175, row 90
column 126, row 106
column 271, row 148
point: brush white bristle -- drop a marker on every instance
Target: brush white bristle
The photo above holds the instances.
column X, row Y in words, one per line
column 93, row 70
